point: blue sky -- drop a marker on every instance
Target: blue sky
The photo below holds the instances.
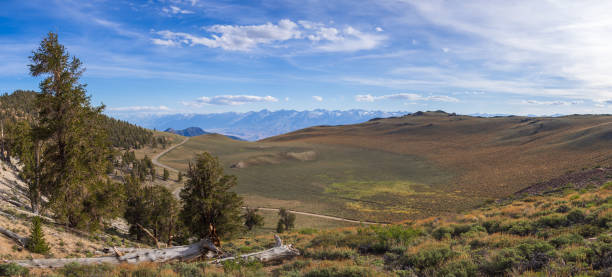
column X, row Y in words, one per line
column 197, row 56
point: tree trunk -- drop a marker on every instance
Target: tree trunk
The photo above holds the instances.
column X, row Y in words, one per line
column 17, row 238
column 182, row 253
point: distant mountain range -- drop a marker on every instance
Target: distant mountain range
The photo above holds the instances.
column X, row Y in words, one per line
column 194, row 132
column 258, row 124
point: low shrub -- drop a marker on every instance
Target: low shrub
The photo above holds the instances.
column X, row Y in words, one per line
column 553, row 221
column 328, row 253
column 77, row 270
column 521, row 228
column 347, row 271
column 441, row 233
column 566, row 239
column 536, row 254
column 422, row 258
column 459, row 268
column 13, row 269
column 575, row 216
column 501, row 262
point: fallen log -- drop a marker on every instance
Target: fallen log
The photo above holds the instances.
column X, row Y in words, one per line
column 17, row 238
column 279, row 252
column 181, row 253
column 177, row 253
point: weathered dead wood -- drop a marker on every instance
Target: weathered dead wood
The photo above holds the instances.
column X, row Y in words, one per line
column 149, row 234
column 181, row 253
column 17, row 238
column 279, row 252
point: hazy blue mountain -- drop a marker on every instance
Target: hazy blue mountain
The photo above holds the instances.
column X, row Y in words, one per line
column 258, row 124
column 194, row 132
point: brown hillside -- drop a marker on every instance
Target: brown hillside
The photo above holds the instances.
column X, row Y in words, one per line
column 492, row 156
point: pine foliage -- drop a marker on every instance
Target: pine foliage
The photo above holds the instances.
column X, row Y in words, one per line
column 210, row 208
column 36, row 242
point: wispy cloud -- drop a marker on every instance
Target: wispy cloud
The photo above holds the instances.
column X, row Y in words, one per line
column 229, row 100
column 318, row 98
column 248, row 37
column 175, row 10
column 404, row 96
column 540, row 43
column 552, row 103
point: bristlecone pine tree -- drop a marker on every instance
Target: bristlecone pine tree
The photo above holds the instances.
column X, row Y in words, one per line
column 286, row 221
column 166, row 174
column 36, row 243
column 210, row 209
column 252, row 219
column 73, row 164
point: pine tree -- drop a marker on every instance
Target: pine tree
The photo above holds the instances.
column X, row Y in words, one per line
column 180, row 177
column 210, row 208
column 73, row 163
column 36, row 243
column 252, row 219
column 166, row 174
column 286, row 221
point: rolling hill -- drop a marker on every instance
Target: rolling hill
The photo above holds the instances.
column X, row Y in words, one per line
column 428, row 163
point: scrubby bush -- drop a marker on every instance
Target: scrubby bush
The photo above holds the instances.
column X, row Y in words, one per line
column 349, row 271
column 330, row 253
column 575, row 216
column 536, row 254
column 501, row 262
column 566, row 239
column 425, row 258
column 441, row 233
column 521, row 228
column 13, row 269
column 77, row 270
column 553, row 221
column 459, row 268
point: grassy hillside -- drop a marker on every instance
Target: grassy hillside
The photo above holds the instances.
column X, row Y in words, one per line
column 408, row 167
column 563, row 232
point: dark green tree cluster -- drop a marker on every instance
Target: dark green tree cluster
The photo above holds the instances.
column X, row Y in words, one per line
column 159, row 141
column 151, row 209
column 141, row 169
column 127, row 136
column 21, row 106
column 286, row 221
column 252, row 219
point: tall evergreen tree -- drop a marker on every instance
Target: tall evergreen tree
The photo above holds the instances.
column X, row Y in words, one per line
column 36, row 242
column 210, row 209
column 74, row 161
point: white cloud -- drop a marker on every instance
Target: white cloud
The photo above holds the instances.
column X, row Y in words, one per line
column 230, row 100
column 139, row 109
column 545, row 43
column 405, row 96
column 552, row 103
column 318, row 98
column 238, row 38
column 378, row 29
column 176, row 10
column 248, row 37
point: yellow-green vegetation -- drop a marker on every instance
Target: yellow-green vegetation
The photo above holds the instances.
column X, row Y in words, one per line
column 325, row 179
column 557, row 234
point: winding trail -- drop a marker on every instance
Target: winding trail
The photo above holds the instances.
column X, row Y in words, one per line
column 157, row 163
